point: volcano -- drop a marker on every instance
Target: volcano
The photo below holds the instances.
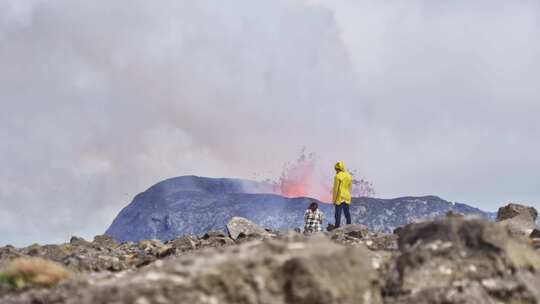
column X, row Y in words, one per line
column 194, row 205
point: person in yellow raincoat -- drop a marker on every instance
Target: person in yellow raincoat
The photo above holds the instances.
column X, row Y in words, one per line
column 341, row 193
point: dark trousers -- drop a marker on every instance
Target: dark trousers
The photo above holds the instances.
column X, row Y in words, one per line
column 345, row 208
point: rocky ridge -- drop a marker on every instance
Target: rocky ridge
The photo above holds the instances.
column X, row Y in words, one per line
column 194, row 205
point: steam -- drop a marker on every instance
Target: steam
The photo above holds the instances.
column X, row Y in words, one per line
column 110, row 98
column 102, row 99
column 305, row 177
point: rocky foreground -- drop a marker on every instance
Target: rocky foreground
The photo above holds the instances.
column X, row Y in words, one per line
column 455, row 259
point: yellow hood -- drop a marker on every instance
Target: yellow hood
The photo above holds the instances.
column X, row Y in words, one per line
column 342, row 185
column 340, row 166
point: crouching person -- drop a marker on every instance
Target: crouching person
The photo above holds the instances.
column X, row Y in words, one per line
column 313, row 219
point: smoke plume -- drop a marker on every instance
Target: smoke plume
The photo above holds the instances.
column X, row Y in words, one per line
column 102, row 99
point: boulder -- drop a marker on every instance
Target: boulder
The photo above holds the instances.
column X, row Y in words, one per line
column 442, row 261
column 215, row 238
column 240, row 225
column 104, row 241
column 165, row 251
column 353, row 230
column 79, row 241
column 518, row 219
column 185, row 243
column 516, row 210
column 461, row 232
column 8, row 253
column 51, row 252
column 149, row 245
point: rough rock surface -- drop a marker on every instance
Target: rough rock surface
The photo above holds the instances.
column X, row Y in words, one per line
column 461, row 260
column 313, row 270
column 516, row 210
column 239, row 225
column 457, row 259
column 518, row 219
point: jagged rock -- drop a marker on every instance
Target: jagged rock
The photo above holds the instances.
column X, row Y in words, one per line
column 32, row 250
column 315, row 272
column 150, row 246
column 142, row 259
column 216, row 238
column 349, row 234
column 451, row 260
column 166, row 250
column 240, row 225
column 214, row 234
column 535, row 238
column 444, row 258
column 104, row 241
column 242, row 238
column 515, row 210
column 518, row 219
column 78, row 241
column 51, row 252
column 9, row 252
column 185, row 243
column 356, row 234
column 353, row 230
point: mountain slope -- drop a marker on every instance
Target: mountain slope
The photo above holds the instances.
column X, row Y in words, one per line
column 195, row 205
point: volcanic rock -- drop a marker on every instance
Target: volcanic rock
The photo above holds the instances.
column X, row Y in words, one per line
column 8, row 252
column 518, row 219
column 515, row 210
column 78, row 241
column 382, row 242
column 442, row 261
column 353, row 230
column 449, row 260
column 104, row 241
column 315, row 271
column 185, row 243
column 240, row 225
column 216, row 238
column 165, row 250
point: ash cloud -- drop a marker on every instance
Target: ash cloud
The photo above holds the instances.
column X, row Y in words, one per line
column 103, row 99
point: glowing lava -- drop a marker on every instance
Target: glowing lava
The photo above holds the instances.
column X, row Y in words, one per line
column 302, row 179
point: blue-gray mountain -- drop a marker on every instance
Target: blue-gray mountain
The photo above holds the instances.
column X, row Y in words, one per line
column 195, row 205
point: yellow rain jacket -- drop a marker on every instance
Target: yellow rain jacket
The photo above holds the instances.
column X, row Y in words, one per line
column 342, row 185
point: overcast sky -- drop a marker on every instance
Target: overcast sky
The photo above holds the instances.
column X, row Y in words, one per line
column 102, row 99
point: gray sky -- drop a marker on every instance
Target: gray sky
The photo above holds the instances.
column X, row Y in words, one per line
column 102, row 99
